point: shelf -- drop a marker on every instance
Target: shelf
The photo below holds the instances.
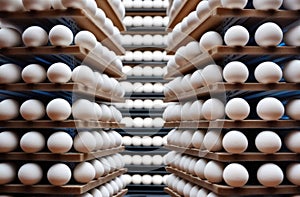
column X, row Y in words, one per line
column 227, row 157
column 121, row 193
column 143, row 63
column 66, row 157
column 145, row 47
column 231, row 191
column 70, row 87
column 143, row 95
column 229, row 124
column 162, row 32
column 184, row 10
column 145, row 79
column 88, row 57
column 82, row 20
column 145, row 29
column 110, row 11
column 225, row 87
column 40, row 124
column 218, row 15
column 63, row 190
column 146, row 12
column 219, row 52
column 171, row 192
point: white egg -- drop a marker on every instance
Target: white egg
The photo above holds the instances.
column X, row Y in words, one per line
column 106, row 140
column 157, row 3
column 157, row 56
column 268, row 34
column 136, row 141
column 157, row 104
column 136, row 179
column 158, row 21
column 11, row 6
column 236, row 36
column 91, row 7
column 237, row 109
column 107, row 85
column 202, row 9
column 157, row 141
column 213, row 172
column 147, row 160
column 268, row 142
column 158, row 40
column 37, row 5
column 136, row 159
column 148, row 104
column 186, row 138
column 146, row 141
column 202, row 192
column 213, row 140
column 147, row 21
column 235, row 142
column 209, row 40
column 30, row 174
column 60, row 35
column 194, row 191
column 270, row 109
column 83, row 109
column 147, row 4
column 59, row 142
column 9, row 141
column 146, row 179
column 270, row 175
column 192, row 50
column 10, row 73
column 137, row 40
column 292, row 173
column 9, row 109
column 212, row 74
column 32, row 110
column 235, row 175
column 96, row 193
column 157, row 160
column 213, row 109
column 291, row 71
column 235, row 72
column 147, row 39
column 292, row 109
column 197, row 79
column 137, row 21
column 268, row 72
column 84, row 142
column 137, row 4
column 59, row 73
column 126, row 178
column 35, row 36
column 104, row 191
column 192, row 19
column 7, row 173
column 214, row 3
column 58, row 109
column 59, row 174
column 57, row 5
column 234, row 4
column 127, row 40
column 138, row 122
column 127, row 159
column 127, row 140
column 127, row 121
column 137, row 56
column 34, row 73
column 32, row 142
column 267, row 4
column 148, row 122
column 86, row 40
column 148, row 88
column 291, row 37
column 157, row 179
column 291, row 141
column 291, row 4
column 9, row 38
column 198, row 138
column 128, row 21
column 84, row 172
column 137, row 71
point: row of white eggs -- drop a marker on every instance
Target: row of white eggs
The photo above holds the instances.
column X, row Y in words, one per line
column 156, row 160
column 146, row 21
column 141, row 104
column 146, row 71
column 138, row 87
column 58, row 110
column 139, row 122
column 60, row 174
column 268, row 108
column 60, row 142
column 234, row 141
column 138, row 179
column 146, row 3
column 234, row 174
column 144, row 141
column 147, row 39
column 146, row 56
column 187, row 188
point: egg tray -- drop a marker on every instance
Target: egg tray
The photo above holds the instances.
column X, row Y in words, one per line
column 60, row 190
column 145, row 47
column 224, row 190
column 217, row 16
column 85, row 55
column 146, row 12
column 65, row 157
column 220, row 52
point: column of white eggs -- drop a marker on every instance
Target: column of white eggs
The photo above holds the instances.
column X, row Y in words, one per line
column 146, row 179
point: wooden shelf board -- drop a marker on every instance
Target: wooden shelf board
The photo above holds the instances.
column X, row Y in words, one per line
column 218, row 15
column 227, row 157
column 224, row 190
column 219, row 52
column 88, row 57
column 82, row 19
column 171, row 192
column 58, row 124
column 62, row 190
column 145, row 48
column 186, row 7
column 229, row 124
column 110, row 11
column 121, row 193
column 226, row 87
column 70, row 87
column 66, row 157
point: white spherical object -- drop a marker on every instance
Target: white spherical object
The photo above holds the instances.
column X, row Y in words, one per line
column 127, row 159
column 136, row 179
column 136, row 159
column 58, row 109
column 268, row 34
column 137, row 21
column 291, row 71
column 192, row 50
column 106, row 140
column 235, row 175
column 9, row 141
column 128, row 21
column 213, row 109
column 7, row 173
column 186, row 138
column 209, row 40
column 11, row 6
column 236, row 36
column 214, row 3
column 291, row 4
column 268, row 72
column 137, row 71
column 60, row 35
column 148, row 87
column 157, row 179
column 59, row 73
column 158, row 122
column 213, row 140
column 235, row 142
column 37, row 5
column 86, row 40
column 137, row 40
column 157, row 3
column 158, row 56
column 148, row 122
column 197, row 139
column 292, row 173
column 291, row 37
column 127, row 121
column 138, row 122
column 147, row 160
column 202, row 9
column 137, row 56
column 234, row 4
column 32, row 110
column 127, row 40
column 127, row 140
column 35, row 36
column 59, row 142
column 9, row 38
column 270, row 109
column 157, row 160
column 158, row 40
column 138, row 104
column 270, row 175
column 146, row 179
column 158, row 21
column 291, row 141
column 236, row 72
column 213, row 172
column 136, row 141
column 267, row 4
column 292, row 109
column 237, row 109
column 147, row 4
column 84, row 172
column 9, row 109
column 197, row 79
column 137, row 4
column 157, row 141
column 30, row 174
column 10, row 73
column 192, row 19
column 32, row 142
column 212, row 74
column 268, row 142
column 34, row 73
column 57, row 5
column 146, row 141
column 148, row 104
column 147, row 21
column 59, row 174
column 84, row 75
column 84, row 142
